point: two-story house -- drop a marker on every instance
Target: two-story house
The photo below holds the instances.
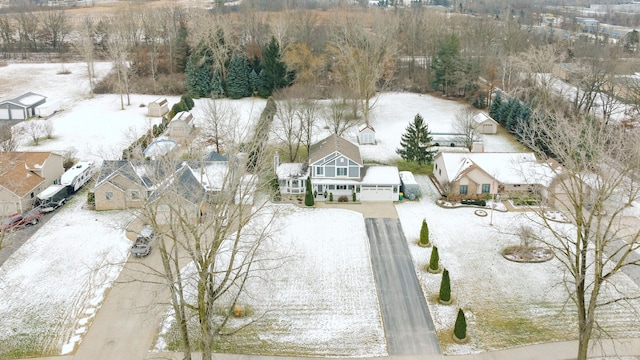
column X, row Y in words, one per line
column 336, row 169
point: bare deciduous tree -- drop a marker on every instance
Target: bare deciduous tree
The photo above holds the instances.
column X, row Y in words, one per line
column 219, row 233
column 336, row 117
column 56, row 25
column 86, row 47
column 466, row 126
column 35, row 130
column 594, row 187
column 219, row 123
column 8, row 140
column 364, row 56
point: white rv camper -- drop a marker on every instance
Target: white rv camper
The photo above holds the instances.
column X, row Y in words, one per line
column 77, row 176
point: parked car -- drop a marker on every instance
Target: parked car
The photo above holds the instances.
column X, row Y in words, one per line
column 143, row 244
column 18, row 221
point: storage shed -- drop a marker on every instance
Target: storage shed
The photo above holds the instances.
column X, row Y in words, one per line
column 485, row 124
column 158, row 107
column 21, row 107
column 181, row 125
column 366, row 135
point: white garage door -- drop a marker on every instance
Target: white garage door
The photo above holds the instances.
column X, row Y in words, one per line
column 17, row 114
column 4, row 114
column 380, row 193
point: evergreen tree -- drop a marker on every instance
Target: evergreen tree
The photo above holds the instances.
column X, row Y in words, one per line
column 449, row 70
column 217, row 87
column 254, row 82
column 274, row 72
column 308, row 197
column 238, row 77
column 415, row 142
column 197, row 75
column 187, row 102
column 514, row 116
column 424, row 233
column 445, row 287
column 496, row 104
column 434, row 261
column 460, row 328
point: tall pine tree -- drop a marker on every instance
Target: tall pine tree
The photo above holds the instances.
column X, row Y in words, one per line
column 496, row 104
column 198, row 73
column 238, row 77
column 415, row 142
column 274, row 72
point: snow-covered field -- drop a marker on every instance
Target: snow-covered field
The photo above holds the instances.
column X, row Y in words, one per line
column 322, row 302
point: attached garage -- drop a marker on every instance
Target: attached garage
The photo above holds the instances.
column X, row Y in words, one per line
column 377, row 193
column 380, row 183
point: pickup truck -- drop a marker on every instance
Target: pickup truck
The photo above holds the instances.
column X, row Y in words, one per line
column 18, row 221
column 142, row 246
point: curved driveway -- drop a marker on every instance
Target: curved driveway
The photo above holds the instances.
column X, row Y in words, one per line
column 408, row 325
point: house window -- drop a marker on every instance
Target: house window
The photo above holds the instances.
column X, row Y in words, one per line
column 294, row 183
column 436, row 166
column 440, row 172
column 319, row 170
column 341, row 187
column 32, row 195
column 135, row 194
column 463, row 189
column 109, row 195
column 331, row 187
column 486, row 188
column 341, row 171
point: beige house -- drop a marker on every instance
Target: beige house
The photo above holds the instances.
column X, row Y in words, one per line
column 23, row 175
column 181, row 125
column 124, row 184
column 478, row 175
column 158, row 107
column 485, row 124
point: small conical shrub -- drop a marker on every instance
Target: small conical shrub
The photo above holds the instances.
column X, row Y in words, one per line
column 434, row 262
column 424, row 233
column 445, row 288
column 460, row 329
column 308, row 197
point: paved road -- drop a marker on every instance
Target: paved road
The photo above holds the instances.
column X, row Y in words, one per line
column 407, row 322
column 127, row 322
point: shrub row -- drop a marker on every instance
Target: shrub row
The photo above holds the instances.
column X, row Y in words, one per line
column 474, row 202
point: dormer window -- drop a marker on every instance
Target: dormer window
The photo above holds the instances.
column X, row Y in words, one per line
column 341, row 171
column 319, row 170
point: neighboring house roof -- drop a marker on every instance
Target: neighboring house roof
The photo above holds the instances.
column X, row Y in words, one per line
column 215, row 156
column 381, row 175
column 160, row 101
column 506, row 168
column 144, row 173
column 482, row 117
column 26, row 100
column 152, row 174
column 18, row 170
column 291, row 170
column 332, row 144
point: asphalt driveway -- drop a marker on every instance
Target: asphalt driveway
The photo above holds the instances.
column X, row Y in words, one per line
column 408, row 325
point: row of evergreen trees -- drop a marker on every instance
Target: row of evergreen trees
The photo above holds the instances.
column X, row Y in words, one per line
column 512, row 114
column 243, row 78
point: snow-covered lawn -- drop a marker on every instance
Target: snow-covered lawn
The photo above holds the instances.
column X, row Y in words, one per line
column 51, row 287
column 320, row 298
column 507, row 304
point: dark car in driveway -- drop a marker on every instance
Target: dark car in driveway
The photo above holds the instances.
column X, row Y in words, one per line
column 18, row 221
